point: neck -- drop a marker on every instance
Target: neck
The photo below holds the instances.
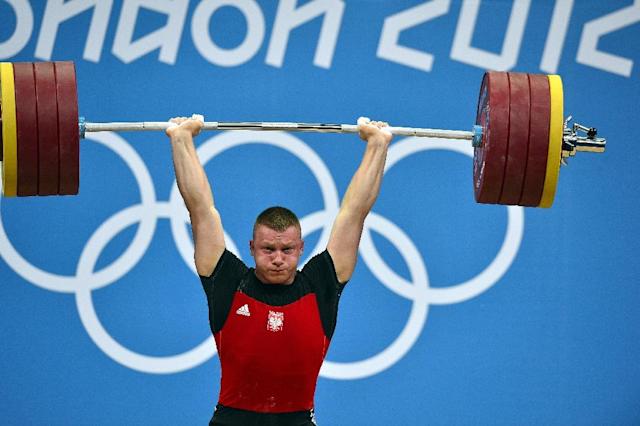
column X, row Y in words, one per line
column 266, row 282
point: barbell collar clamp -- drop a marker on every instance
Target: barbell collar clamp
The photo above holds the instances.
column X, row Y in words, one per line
column 82, row 127
column 476, row 141
column 580, row 138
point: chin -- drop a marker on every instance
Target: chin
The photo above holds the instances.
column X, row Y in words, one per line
column 280, row 279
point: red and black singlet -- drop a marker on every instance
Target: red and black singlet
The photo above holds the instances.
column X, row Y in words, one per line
column 271, row 339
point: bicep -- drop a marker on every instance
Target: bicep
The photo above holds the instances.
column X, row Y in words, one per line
column 343, row 243
column 208, row 239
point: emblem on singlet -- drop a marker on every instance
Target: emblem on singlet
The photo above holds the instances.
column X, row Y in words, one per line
column 275, row 321
column 244, row 310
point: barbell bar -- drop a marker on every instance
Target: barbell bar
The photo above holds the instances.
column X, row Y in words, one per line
column 520, row 137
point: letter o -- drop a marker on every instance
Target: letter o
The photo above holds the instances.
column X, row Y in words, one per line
column 228, row 57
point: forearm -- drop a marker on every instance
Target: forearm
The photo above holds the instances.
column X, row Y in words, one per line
column 364, row 187
column 359, row 198
column 190, row 176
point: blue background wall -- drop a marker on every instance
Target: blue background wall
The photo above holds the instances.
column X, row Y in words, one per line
column 477, row 315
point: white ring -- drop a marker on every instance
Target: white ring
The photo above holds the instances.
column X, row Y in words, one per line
column 117, row 269
column 419, row 309
column 101, row 337
column 515, row 228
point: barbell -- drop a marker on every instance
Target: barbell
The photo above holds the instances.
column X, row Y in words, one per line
column 520, row 137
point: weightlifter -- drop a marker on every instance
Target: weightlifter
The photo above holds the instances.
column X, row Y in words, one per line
column 273, row 324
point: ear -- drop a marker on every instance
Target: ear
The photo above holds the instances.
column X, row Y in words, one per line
column 301, row 246
column 251, row 248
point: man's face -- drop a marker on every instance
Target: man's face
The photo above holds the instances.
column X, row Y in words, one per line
column 276, row 254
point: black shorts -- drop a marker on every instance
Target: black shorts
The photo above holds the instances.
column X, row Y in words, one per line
column 227, row 416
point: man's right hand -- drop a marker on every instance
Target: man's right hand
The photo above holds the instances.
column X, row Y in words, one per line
column 374, row 131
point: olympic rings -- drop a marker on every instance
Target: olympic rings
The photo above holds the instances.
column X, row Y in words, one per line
column 148, row 211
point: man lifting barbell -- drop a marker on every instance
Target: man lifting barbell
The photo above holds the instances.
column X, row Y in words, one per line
column 520, row 138
column 272, row 323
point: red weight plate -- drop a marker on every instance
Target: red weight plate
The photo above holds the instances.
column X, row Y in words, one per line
column 27, row 128
column 489, row 159
column 516, row 160
column 68, row 133
column 48, row 163
column 538, row 141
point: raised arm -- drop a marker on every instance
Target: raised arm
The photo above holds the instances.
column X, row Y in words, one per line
column 359, row 198
column 194, row 187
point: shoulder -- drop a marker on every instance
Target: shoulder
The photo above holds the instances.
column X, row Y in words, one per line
column 227, row 273
column 228, row 262
column 321, row 268
column 320, row 275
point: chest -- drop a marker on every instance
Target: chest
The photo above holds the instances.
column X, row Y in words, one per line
column 257, row 332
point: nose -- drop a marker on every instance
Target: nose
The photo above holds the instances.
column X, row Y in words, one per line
column 277, row 259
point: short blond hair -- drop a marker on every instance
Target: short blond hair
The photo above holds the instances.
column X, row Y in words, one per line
column 277, row 218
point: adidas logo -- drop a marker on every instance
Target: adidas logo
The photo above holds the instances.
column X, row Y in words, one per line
column 244, row 310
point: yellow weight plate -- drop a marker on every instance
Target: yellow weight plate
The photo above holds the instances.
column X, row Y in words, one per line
column 556, row 128
column 9, row 131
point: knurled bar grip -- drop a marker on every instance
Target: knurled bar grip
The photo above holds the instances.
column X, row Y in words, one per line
column 263, row 126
